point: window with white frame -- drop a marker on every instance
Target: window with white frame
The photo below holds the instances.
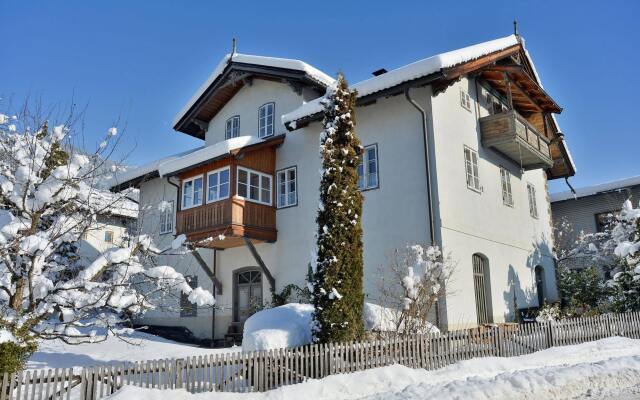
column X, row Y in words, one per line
column 465, row 100
column 254, row 186
column 192, row 192
column 166, row 217
column 505, row 179
column 471, row 168
column 232, row 128
column 265, row 120
column 533, row 205
column 287, row 187
column 217, row 185
column 108, row 236
column 368, row 168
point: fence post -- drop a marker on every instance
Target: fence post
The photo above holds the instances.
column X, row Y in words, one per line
column 496, row 340
column 178, row 373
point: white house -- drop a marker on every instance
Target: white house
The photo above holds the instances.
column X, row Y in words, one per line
column 458, row 151
column 111, row 228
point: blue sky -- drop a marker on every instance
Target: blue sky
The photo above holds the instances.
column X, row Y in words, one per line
column 139, row 62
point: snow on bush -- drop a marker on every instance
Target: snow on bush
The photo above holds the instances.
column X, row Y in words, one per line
column 50, row 196
column 384, row 319
column 284, row 326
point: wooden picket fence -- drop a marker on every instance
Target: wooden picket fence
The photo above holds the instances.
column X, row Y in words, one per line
column 266, row 370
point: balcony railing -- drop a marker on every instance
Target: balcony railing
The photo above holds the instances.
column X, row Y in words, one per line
column 512, row 135
column 234, row 217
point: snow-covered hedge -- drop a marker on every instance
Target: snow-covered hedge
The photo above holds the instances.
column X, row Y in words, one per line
column 285, row 326
column 290, row 325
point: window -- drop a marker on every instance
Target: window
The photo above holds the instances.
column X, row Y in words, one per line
column 471, row 168
column 540, row 286
column 604, row 219
column 265, row 120
column 232, row 128
column 85, row 235
column 287, row 193
column 482, row 289
column 505, row 178
column 533, row 206
column 166, row 217
column 187, row 308
column 108, row 236
column 494, row 105
column 192, row 192
column 254, row 186
column 368, row 168
column 217, row 185
column 465, row 100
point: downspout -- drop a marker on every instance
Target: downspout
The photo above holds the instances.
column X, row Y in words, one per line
column 427, row 164
column 427, row 169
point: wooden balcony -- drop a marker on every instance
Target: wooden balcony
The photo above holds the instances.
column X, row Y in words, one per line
column 512, row 135
column 235, row 218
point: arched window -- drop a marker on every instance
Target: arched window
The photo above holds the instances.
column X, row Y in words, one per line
column 540, row 288
column 482, row 289
column 247, row 296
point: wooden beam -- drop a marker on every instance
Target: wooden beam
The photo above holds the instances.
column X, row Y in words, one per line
column 203, row 264
column 265, row 270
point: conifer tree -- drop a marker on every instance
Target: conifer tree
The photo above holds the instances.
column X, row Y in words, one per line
column 337, row 288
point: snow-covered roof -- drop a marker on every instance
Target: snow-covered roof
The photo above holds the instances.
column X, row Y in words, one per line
column 114, row 204
column 205, row 154
column 595, row 189
column 286, row 63
column 410, row 72
column 122, row 177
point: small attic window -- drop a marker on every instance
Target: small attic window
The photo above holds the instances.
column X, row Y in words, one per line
column 379, row 72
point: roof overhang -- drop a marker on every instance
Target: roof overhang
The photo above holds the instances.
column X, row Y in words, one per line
column 233, row 78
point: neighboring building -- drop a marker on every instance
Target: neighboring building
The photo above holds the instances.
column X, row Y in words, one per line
column 112, row 228
column 479, row 113
column 591, row 209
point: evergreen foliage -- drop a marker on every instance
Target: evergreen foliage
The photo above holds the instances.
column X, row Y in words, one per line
column 582, row 290
column 337, row 288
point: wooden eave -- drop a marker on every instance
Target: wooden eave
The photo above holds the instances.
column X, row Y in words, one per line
column 234, row 77
column 135, row 183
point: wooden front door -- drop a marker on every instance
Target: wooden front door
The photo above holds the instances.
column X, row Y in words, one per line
column 248, row 294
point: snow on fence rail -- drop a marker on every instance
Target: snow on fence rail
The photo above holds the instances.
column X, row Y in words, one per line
column 265, row 370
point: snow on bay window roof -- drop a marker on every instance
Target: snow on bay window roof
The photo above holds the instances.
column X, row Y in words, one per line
column 410, row 72
column 206, row 154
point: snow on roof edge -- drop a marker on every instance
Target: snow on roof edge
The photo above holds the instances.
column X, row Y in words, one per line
column 595, row 189
column 145, row 169
column 288, row 63
column 206, row 153
column 412, row 71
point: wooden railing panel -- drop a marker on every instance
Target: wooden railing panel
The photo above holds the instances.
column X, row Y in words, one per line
column 204, row 217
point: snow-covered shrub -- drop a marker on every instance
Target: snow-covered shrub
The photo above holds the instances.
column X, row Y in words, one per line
column 582, row 290
column 385, row 321
column 279, row 327
column 412, row 285
column 49, row 197
column 549, row 312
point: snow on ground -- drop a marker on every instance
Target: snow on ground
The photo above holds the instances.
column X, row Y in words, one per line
column 605, row 369
column 141, row 346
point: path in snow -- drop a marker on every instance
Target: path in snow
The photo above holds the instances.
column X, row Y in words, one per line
column 605, row 369
column 57, row 354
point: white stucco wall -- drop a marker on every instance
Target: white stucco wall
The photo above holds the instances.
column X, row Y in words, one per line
column 471, row 222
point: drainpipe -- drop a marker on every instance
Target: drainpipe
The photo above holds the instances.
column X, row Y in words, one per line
column 427, row 164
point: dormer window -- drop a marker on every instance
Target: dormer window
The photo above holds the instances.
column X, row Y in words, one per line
column 232, row 128
column 265, row 120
